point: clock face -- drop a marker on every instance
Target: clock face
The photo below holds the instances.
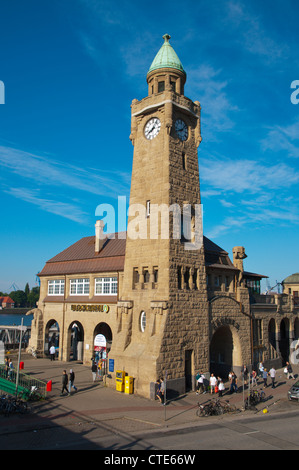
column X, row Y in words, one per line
column 152, row 128
column 181, row 129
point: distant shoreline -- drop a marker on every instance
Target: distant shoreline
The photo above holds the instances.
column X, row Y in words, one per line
column 15, row 311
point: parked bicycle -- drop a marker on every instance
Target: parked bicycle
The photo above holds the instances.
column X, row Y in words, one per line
column 255, row 397
column 215, row 408
column 10, row 404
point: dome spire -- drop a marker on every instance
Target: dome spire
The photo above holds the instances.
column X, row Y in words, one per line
column 166, row 57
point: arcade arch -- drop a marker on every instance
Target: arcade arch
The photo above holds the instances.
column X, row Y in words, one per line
column 52, row 336
column 75, row 341
column 284, row 342
column 225, row 351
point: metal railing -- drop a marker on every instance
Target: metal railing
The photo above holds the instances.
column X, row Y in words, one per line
column 27, row 386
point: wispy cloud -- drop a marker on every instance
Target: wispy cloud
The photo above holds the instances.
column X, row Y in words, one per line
column 249, row 192
column 246, row 175
column 283, row 138
column 50, row 172
column 53, row 179
column 63, row 209
column 253, row 33
column 217, row 107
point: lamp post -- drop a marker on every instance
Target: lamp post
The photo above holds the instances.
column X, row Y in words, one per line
column 19, row 358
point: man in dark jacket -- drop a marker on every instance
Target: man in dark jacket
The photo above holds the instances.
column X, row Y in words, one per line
column 64, row 383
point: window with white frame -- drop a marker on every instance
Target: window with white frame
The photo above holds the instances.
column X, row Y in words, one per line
column 79, row 287
column 106, row 286
column 56, row 287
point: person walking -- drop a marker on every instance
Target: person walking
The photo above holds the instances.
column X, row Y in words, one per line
column 213, row 383
column 52, row 352
column 265, row 377
column 254, row 375
column 64, row 383
column 245, row 374
column 233, row 383
column 261, row 369
column 272, row 373
column 6, row 367
column 290, row 371
column 201, row 384
column 221, row 387
column 160, row 391
column 94, row 370
column 10, row 370
column 71, row 381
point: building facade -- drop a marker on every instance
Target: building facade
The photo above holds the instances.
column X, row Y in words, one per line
column 166, row 300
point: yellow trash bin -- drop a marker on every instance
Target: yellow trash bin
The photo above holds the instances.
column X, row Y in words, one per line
column 120, row 380
column 129, row 384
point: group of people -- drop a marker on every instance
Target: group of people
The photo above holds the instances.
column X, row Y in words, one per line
column 9, row 368
column 216, row 384
column 68, row 382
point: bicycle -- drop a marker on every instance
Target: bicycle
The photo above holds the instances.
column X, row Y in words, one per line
column 9, row 405
column 255, row 397
column 215, row 408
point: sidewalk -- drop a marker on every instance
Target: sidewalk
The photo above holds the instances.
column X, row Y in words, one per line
column 127, row 413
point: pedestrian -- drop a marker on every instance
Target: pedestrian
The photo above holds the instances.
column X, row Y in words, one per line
column 272, row 373
column 233, row 383
column 245, row 374
column 94, row 370
column 71, row 381
column 6, row 367
column 290, row 371
column 10, row 370
column 64, row 383
column 265, row 377
column 160, row 390
column 254, row 375
column 213, row 383
column 221, row 387
column 201, row 384
column 261, row 369
column 52, row 352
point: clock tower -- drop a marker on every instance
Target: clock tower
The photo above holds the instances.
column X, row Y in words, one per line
column 163, row 306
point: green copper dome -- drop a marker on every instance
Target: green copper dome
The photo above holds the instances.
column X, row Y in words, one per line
column 166, row 58
column 293, row 279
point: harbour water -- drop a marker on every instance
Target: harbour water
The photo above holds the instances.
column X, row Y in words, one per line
column 13, row 319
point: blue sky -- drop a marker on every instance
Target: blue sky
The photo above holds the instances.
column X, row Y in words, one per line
column 71, row 69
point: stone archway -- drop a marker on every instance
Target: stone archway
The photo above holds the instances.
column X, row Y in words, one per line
column 75, row 342
column 52, row 336
column 105, row 330
column 225, row 351
column 284, row 340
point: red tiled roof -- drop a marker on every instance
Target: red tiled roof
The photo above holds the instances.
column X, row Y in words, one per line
column 80, row 258
column 7, row 300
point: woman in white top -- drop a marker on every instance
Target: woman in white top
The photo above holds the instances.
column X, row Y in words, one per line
column 213, row 383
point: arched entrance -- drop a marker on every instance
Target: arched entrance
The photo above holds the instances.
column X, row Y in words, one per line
column 225, row 351
column 52, row 336
column 105, row 330
column 75, row 342
column 272, row 339
column 102, row 347
column 284, row 343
